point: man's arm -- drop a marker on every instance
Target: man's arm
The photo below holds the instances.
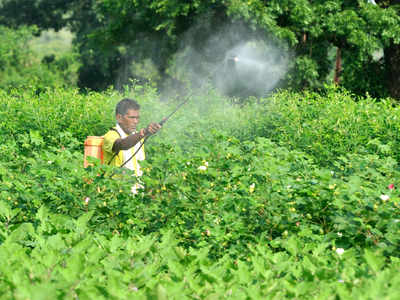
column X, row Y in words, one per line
column 133, row 139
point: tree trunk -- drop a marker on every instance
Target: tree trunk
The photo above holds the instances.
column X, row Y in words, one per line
column 338, row 68
column 392, row 66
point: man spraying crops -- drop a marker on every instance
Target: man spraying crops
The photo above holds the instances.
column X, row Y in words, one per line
column 122, row 145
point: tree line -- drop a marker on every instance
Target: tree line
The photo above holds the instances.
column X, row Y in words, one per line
column 353, row 43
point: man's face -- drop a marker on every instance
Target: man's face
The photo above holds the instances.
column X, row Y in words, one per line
column 129, row 121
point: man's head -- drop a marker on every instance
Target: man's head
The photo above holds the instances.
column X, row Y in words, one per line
column 127, row 115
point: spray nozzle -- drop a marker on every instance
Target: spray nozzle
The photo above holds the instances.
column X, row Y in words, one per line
column 233, row 59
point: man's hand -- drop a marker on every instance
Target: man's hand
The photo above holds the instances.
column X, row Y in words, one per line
column 133, row 139
column 152, row 128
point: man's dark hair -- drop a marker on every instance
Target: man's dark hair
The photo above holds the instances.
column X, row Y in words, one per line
column 125, row 104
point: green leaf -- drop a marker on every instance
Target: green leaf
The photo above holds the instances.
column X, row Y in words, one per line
column 82, row 222
column 161, row 293
column 5, row 210
column 374, row 260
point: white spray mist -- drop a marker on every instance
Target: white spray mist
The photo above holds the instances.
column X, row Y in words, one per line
column 235, row 61
column 252, row 68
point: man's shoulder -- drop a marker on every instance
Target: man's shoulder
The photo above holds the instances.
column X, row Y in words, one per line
column 112, row 134
column 108, row 140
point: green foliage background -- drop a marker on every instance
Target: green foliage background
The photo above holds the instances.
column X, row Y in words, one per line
column 290, row 196
column 21, row 65
column 285, row 183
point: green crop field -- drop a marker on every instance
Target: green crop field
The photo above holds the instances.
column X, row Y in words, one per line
column 295, row 196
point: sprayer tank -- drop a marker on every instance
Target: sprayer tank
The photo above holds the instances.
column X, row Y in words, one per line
column 93, row 147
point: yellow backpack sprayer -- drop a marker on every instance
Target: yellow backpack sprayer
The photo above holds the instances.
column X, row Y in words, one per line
column 93, row 147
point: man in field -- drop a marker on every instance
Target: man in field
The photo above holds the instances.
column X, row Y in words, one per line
column 121, row 142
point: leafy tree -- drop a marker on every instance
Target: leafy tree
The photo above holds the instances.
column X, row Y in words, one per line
column 112, row 34
column 357, row 28
column 392, row 55
column 44, row 14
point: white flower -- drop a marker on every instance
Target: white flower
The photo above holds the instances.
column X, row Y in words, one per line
column 136, row 188
column 202, row 168
column 339, row 234
column 252, row 187
column 341, row 280
column 206, row 163
column 87, row 199
column 340, row 251
column 49, row 162
column 384, row 197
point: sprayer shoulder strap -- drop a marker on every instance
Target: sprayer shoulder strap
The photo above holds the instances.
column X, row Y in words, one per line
column 113, row 129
